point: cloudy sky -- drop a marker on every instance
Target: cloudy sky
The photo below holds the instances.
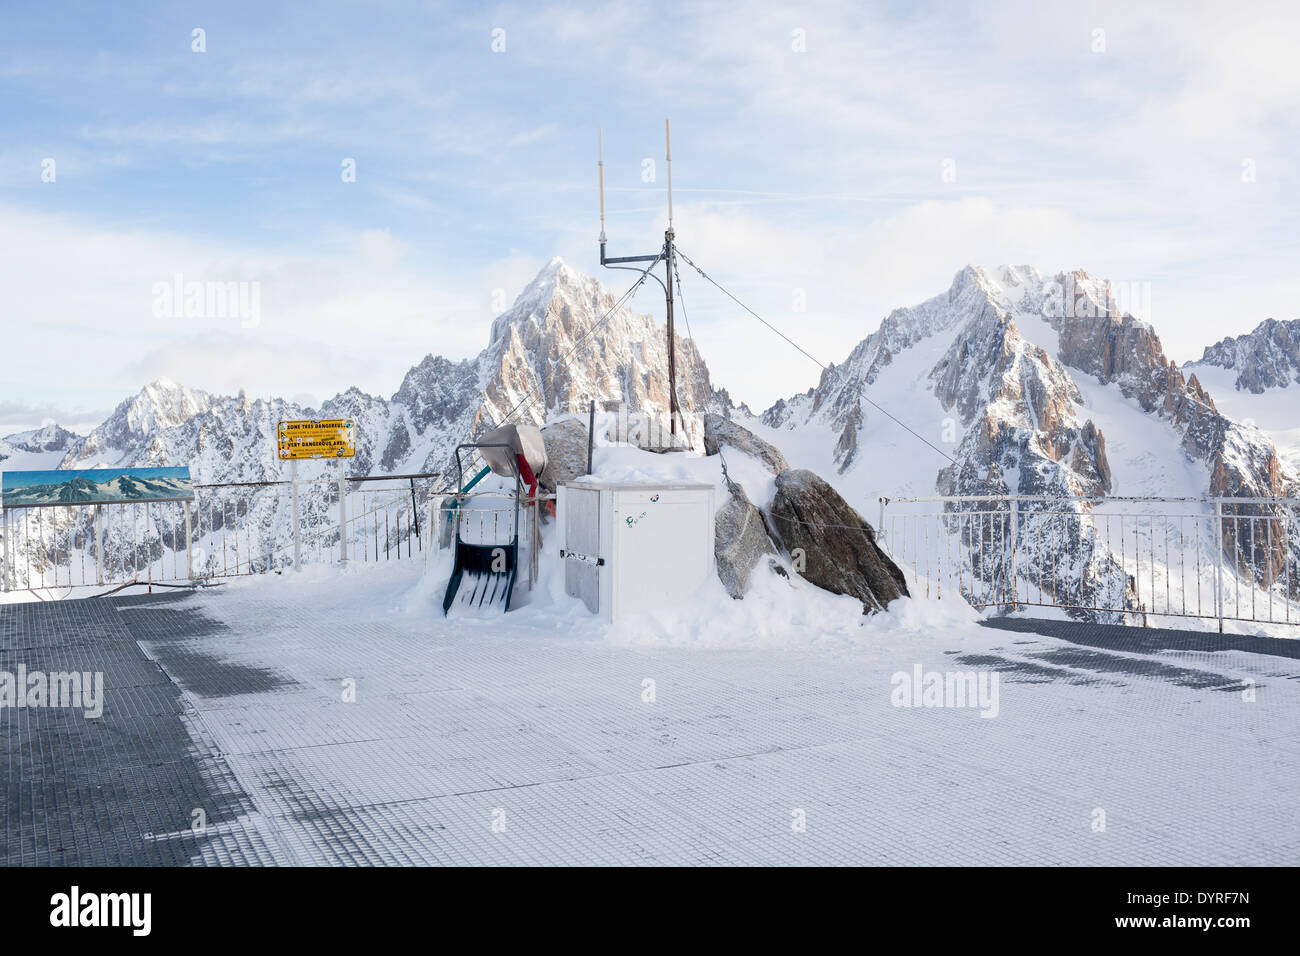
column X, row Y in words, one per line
column 854, row 156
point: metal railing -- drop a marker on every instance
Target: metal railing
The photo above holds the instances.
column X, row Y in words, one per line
column 1106, row 559
column 226, row 530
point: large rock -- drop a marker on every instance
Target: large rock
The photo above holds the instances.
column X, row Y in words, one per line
column 719, row 431
column 740, row 541
column 566, row 452
column 839, row 550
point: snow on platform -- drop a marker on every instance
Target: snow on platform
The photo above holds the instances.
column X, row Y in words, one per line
column 541, row 737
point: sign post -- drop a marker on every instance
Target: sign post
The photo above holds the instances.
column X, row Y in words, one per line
column 297, row 530
column 343, row 514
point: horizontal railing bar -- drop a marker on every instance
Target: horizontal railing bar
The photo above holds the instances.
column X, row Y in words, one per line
column 1092, row 499
column 306, row 481
column 1135, row 612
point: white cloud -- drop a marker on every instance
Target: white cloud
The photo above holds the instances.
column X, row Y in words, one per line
column 80, row 301
column 1125, row 163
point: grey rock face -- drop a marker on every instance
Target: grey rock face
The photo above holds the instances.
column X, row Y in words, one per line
column 566, row 452
column 1269, row 357
column 719, row 431
column 740, row 542
column 839, row 547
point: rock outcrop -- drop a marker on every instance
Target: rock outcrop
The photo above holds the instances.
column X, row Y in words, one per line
column 740, row 541
column 830, row 544
column 719, row 431
column 566, row 452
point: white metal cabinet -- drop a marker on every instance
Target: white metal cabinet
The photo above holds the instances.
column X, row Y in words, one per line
column 634, row 547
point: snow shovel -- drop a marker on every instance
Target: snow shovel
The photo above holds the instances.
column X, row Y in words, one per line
column 483, row 575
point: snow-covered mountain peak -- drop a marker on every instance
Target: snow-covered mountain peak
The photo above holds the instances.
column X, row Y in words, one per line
column 36, row 448
column 1267, row 357
column 1018, row 361
column 557, row 292
column 50, row 437
column 549, row 352
column 563, row 343
column 159, row 406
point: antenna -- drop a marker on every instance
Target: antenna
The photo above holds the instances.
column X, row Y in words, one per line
column 600, row 172
column 668, row 155
column 666, row 254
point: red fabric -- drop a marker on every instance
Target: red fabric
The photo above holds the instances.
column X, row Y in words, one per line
column 527, row 474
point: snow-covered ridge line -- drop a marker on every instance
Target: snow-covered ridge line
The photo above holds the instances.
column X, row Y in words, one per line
column 1032, row 385
column 1267, row 357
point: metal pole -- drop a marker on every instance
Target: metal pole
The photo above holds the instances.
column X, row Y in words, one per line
column 668, row 288
column 8, row 570
column 1218, row 567
column 591, row 432
column 415, row 510
column 99, row 544
column 672, row 351
column 532, row 546
column 1015, row 576
column 429, row 523
column 297, row 531
column 189, row 546
column 600, row 172
column 343, row 514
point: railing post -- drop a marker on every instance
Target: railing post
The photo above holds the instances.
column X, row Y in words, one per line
column 8, row 568
column 99, row 544
column 343, row 514
column 1218, row 566
column 431, row 528
column 880, row 527
column 189, row 542
column 1015, row 571
column 297, row 531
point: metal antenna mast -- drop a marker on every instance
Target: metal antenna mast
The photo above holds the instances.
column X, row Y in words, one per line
column 666, row 253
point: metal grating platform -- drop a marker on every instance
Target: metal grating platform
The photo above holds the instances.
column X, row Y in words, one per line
column 121, row 789
column 472, row 745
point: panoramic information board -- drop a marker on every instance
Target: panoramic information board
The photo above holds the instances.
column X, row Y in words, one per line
column 38, row 489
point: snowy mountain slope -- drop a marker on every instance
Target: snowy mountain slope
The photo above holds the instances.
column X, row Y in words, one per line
column 36, row 450
column 1255, row 379
column 1267, row 357
column 1020, row 379
column 546, row 355
column 549, row 354
column 135, row 424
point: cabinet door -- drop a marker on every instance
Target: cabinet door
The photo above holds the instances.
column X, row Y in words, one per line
column 582, row 536
column 663, row 548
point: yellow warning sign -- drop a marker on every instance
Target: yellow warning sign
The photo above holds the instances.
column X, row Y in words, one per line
column 318, row 438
